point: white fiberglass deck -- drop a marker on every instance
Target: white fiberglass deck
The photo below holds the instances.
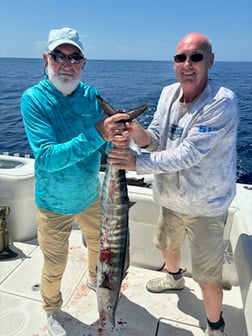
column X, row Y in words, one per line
column 139, row 312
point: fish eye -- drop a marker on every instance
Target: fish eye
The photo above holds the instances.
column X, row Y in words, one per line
column 109, row 307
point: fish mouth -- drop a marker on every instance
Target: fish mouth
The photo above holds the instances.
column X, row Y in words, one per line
column 107, row 315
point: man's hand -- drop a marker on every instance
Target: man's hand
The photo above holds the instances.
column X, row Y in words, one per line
column 113, row 129
column 141, row 136
column 122, row 158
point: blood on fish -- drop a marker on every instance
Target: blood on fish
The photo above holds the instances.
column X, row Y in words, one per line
column 106, row 255
column 114, row 241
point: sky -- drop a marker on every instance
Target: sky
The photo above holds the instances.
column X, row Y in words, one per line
column 127, row 29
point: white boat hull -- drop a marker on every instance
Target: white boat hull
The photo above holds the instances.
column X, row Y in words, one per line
column 139, row 312
column 17, row 192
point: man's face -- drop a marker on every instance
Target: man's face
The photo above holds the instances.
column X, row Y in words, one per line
column 192, row 73
column 64, row 72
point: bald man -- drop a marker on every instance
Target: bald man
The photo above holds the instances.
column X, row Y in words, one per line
column 192, row 154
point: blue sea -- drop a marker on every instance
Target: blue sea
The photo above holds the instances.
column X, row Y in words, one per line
column 125, row 84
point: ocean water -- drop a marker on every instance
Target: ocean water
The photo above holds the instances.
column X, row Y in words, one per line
column 125, row 84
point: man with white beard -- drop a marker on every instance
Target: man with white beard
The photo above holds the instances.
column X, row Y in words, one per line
column 67, row 133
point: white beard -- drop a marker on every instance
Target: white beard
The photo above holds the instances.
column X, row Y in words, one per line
column 65, row 84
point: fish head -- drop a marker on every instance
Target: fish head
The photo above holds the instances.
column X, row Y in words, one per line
column 107, row 302
column 107, row 314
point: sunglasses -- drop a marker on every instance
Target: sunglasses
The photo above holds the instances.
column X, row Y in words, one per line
column 181, row 58
column 59, row 57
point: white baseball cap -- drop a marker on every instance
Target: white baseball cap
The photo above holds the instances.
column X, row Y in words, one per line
column 62, row 36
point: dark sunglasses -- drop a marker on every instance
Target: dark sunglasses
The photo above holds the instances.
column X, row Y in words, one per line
column 181, row 58
column 59, row 57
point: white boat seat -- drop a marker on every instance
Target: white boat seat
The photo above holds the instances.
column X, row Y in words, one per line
column 243, row 259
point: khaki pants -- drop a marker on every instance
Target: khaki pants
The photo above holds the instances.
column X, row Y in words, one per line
column 205, row 235
column 53, row 234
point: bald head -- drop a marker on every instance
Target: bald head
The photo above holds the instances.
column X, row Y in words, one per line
column 197, row 41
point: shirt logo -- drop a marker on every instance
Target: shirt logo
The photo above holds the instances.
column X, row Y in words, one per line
column 205, row 129
column 175, row 132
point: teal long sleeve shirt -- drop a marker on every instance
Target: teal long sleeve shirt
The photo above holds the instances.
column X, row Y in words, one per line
column 66, row 145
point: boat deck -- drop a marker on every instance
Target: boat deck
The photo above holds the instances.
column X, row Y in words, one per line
column 139, row 312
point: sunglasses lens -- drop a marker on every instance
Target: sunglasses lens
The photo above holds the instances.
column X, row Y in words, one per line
column 58, row 57
column 75, row 58
column 196, row 57
column 180, row 58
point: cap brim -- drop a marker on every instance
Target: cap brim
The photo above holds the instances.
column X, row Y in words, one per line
column 54, row 45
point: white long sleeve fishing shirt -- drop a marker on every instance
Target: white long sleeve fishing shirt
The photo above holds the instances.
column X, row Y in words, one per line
column 193, row 151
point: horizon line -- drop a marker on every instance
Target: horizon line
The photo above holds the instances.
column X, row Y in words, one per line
column 121, row 59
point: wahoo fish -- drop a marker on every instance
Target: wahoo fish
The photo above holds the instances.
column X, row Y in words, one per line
column 113, row 259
